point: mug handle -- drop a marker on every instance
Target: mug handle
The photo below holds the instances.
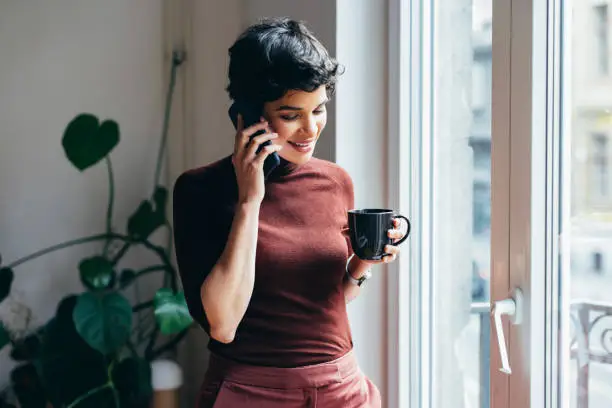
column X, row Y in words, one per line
column 407, row 229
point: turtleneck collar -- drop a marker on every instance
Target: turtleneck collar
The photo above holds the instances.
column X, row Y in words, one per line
column 284, row 168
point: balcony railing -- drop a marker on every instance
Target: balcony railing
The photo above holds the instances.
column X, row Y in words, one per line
column 482, row 309
column 591, row 342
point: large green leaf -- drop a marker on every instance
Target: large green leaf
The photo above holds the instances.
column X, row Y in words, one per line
column 132, row 378
column 149, row 216
column 86, row 141
column 4, row 336
column 68, row 365
column 171, row 311
column 6, row 279
column 104, row 321
column 97, row 273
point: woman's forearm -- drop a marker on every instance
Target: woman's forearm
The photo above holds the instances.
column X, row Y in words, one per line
column 227, row 290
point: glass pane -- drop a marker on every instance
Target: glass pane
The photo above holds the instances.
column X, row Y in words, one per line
column 589, row 225
column 461, row 188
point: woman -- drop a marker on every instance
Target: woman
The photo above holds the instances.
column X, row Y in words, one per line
column 265, row 262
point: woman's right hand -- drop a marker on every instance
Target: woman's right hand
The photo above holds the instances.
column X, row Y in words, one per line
column 249, row 165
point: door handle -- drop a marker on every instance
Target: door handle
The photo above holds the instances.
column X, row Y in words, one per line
column 513, row 308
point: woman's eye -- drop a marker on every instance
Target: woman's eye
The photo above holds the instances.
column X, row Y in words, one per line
column 294, row 117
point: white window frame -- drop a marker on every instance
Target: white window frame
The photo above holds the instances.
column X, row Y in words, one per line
column 410, row 65
column 408, row 340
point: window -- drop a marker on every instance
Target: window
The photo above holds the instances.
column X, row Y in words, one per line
column 597, row 262
column 513, row 175
column 601, row 33
column 600, row 174
column 482, row 154
column 482, row 209
column 479, row 88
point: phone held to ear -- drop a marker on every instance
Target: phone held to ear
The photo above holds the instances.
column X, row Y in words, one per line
column 251, row 116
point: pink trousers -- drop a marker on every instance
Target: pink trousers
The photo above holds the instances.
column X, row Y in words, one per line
column 336, row 384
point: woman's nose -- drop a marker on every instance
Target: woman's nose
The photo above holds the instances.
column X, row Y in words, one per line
column 311, row 127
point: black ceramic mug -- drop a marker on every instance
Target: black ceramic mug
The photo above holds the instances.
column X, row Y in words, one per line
column 368, row 231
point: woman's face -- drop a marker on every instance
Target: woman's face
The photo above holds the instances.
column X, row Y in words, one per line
column 299, row 118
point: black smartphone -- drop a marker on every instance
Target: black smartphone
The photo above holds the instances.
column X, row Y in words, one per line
column 251, row 116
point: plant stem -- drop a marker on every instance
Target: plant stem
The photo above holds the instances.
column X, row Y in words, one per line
column 145, row 326
column 176, row 61
column 149, row 350
column 121, row 253
column 150, row 269
column 89, row 394
column 111, row 200
column 169, row 345
column 112, row 385
column 167, row 279
column 115, row 396
column 142, row 306
column 132, row 349
column 98, row 237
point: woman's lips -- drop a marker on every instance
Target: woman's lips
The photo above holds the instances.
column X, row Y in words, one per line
column 303, row 147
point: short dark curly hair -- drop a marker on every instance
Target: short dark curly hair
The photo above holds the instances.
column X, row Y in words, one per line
column 276, row 55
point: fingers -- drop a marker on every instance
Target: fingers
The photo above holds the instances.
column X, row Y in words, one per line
column 245, row 134
column 265, row 152
column 257, row 141
column 392, row 252
column 345, row 232
column 395, row 234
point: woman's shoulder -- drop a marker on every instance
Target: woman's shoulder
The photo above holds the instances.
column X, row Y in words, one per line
column 214, row 179
column 335, row 171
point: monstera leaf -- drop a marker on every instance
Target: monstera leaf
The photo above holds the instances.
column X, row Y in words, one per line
column 104, row 321
column 97, row 273
column 86, row 141
column 69, row 367
column 149, row 216
column 171, row 311
column 6, row 279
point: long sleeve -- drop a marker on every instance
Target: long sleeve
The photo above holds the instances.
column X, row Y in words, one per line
column 198, row 241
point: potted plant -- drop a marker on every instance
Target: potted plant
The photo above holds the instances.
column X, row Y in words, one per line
column 97, row 349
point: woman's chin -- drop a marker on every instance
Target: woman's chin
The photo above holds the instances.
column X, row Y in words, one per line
column 295, row 157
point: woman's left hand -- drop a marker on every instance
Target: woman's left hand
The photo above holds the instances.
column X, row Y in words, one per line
column 396, row 234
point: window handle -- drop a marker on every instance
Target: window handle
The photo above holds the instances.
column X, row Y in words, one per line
column 512, row 307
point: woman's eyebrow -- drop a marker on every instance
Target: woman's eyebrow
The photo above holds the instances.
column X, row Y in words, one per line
column 296, row 108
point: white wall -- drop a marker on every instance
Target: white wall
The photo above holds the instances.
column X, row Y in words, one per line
column 60, row 58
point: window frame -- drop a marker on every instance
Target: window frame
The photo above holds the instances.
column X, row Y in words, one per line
column 410, row 70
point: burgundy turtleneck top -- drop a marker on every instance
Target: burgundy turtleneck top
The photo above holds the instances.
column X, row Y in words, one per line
column 297, row 314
